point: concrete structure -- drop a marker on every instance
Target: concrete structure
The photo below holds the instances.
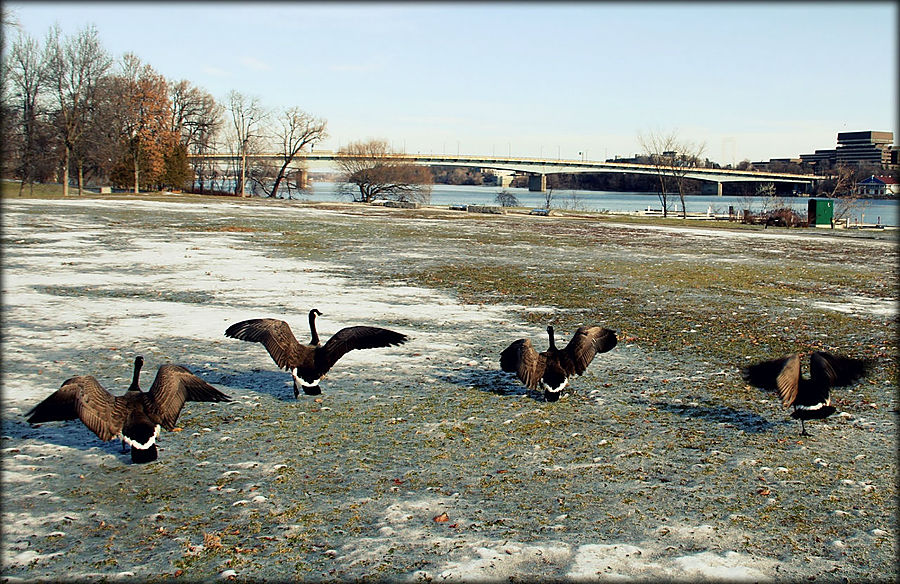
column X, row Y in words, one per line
column 537, row 182
column 538, row 168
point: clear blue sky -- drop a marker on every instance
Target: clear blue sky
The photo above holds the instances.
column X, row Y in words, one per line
column 748, row 80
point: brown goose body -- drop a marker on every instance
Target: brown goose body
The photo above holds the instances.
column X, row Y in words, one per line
column 308, row 363
column 135, row 416
column 810, row 397
column 552, row 369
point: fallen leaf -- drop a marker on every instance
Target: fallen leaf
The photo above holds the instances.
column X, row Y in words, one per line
column 764, row 492
column 443, row 517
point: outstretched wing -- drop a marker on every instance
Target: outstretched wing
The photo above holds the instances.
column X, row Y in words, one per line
column 84, row 398
column 586, row 343
column 354, row 337
column 834, row 370
column 779, row 375
column 274, row 334
column 521, row 358
column 173, row 386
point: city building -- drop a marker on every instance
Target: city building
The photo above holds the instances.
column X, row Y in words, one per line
column 820, row 159
column 864, row 148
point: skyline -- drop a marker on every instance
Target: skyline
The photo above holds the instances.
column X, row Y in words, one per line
column 749, row 81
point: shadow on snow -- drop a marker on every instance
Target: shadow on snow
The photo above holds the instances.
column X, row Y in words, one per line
column 276, row 383
column 489, row 381
column 743, row 420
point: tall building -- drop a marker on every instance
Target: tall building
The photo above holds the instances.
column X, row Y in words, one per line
column 864, row 148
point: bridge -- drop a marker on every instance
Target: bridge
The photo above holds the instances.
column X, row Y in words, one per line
column 536, row 168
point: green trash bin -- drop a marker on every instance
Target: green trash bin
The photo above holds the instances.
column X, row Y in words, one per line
column 820, row 212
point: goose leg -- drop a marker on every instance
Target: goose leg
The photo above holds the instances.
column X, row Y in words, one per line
column 803, row 431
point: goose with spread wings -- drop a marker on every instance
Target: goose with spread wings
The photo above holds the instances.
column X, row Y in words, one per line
column 552, row 369
column 136, row 416
column 308, row 363
column 810, row 397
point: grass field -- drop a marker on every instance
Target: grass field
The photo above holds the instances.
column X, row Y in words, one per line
column 660, row 463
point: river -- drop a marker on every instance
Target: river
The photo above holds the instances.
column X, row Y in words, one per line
column 867, row 211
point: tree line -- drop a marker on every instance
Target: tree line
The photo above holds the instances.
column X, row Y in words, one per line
column 73, row 114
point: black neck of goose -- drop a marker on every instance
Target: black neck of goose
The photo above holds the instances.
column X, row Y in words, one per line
column 135, row 380
column 312, row 328
column 552, row 340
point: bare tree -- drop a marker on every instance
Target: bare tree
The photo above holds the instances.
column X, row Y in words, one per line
column 506, row 199
column 657, row 148
column 247, row 117
column 197, row 120
column 687, row 156
column 548, row 198
column 841, row 186
column 75, row 67
column 375, row 173
column 673, row 159
column 101, row 146
column 298, row 129
column 26, row 68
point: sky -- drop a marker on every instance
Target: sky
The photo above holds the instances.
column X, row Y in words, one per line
column 742, row 80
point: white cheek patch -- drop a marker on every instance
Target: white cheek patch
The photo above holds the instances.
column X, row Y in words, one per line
column 138, row 445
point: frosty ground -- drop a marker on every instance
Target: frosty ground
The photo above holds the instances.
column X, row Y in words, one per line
column 424, row 461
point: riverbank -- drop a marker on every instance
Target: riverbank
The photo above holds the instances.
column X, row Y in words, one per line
column 658, row 464
column 856, row 214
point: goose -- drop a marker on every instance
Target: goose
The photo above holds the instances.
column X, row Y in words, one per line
column 552, row 369
column 136, row 416
column 310, row 362
column 811, row 397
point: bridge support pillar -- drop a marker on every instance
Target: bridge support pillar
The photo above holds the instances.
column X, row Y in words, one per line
column 537, row 183
column 711, row 188
column 302, row 178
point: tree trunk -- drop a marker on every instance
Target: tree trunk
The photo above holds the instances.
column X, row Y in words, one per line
column 278, row 178
column 243, row 172
column 137, row 170
column 662, row 195
column 65, row 176
column 80, row 177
